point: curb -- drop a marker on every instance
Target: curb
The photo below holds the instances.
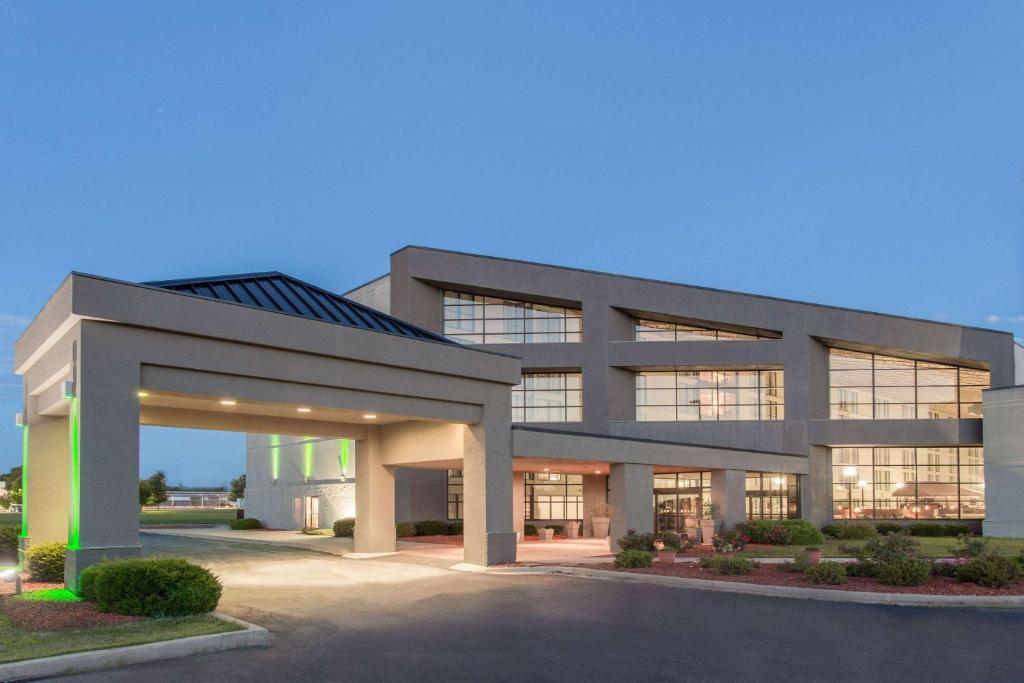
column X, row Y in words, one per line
column 95, row 660
column 825, row 595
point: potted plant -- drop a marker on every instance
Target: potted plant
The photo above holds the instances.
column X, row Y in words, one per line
column 708, row 524
column 667, row 545
column 572, row 529
column 600, row 519
column 813, row 554
column 546, row 534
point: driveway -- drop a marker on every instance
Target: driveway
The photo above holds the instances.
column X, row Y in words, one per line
column 397, row 619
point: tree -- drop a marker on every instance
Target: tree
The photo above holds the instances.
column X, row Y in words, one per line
column 237, row 488
column 14, row 486
column 145, row 492
column 158, row 487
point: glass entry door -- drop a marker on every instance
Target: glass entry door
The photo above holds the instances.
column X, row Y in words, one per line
column 312, row 517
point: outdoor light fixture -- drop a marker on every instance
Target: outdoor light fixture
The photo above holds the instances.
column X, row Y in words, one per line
column 303, row 410
column 369, row 416
column 12, row 575
column 143, row 394
column 68, row 389
column 228, row 402
column 547, row 469
column 597, row 471
column 19, row 419
column 849, row 471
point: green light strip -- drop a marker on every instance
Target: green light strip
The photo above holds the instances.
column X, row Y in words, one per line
column 24, row 481
column 275, row 456
column 74, row 536
column 307, row 460
column 343, row 452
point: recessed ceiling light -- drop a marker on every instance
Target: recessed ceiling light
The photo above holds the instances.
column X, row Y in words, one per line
column 143, row 394
column 303, row 410
column 227, row 402
column 597, row 471
column 547, row 469
column 370, row 416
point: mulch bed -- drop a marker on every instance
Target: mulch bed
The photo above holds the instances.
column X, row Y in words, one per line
column 26, row 586
column 439, row 540
column 56, row 616
column 772, row 575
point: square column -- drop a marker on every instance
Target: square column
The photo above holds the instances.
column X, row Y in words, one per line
column 729, row 495
column 488, row 535
column 45, row 519
column 816, row 487
column 631, row 495
column 595, row 491
column 518, row 505
column 375, row 497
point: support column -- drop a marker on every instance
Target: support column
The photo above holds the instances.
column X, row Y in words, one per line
column 631, row 496
column 103, row 516
column 375, row 497
column 489, row 537
column 518, row 505
column 595, row 492
column 728, row 494
column 46, row 445
column 816, row 487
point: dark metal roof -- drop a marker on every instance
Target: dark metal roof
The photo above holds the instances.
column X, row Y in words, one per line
column 282, row 293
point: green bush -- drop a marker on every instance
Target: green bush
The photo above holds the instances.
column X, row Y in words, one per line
column 87, row 582
column 831, row 530
column 884, row 548
column 969, row 546
column 827, row 572
column 856, row 532
column 154, row 587
column 725, row 565
column 927, row 529
column 529, row 530
column 886, row 528
column 345, row 527
column 245, row 523
column 431, row 527
column 633, row 558
column 904, row 571
column 634, row 541
column 455, row 528
column 801, row 532
column 405, row 529
column 990, row 570
column 861, row 568
column 947, row 569
column 45, row 562
column 9, row 542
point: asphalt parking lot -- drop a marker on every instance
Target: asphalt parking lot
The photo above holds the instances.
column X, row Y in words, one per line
column 335, row 619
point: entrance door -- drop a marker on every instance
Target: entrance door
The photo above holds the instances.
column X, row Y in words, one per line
column 312, row 512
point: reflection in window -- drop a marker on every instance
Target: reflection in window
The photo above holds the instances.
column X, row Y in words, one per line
column 908, row 483
column 773, row 495
column 475, row 319
column 685, row 395
column 554, row 495
column 455, row 494
column 655, row 330
column 548, row 397
column 678, row 497
column 870, row 386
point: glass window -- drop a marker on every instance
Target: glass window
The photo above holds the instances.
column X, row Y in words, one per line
column 689, row 395
column 553, row 495
column 773, row 495
column 475, row 319
column 873, row 386
column 548, row 397
column 654, row 330
column 908, row 483
column 455, row 494
column 679, row 496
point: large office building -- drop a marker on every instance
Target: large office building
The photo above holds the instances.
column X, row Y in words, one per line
column 738, row 405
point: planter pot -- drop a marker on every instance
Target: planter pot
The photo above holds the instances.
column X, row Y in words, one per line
column 814, row 556
column 666, row 557
column 572, row 530
column 708, row 529
column 600, row 525
column 546, row 534
column 692, row 529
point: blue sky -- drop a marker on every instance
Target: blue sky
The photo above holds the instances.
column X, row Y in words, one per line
column 860, row 154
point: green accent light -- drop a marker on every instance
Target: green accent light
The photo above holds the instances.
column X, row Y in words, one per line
column 24, row 481
column 74, row 536
column 275, row 456
column 343, row 452
column 307, row 459
column 50, row 595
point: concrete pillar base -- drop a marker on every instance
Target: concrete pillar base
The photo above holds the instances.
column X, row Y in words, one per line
column 500, row 548
column 630, row 493
column 76, row 560
column 1003, row 529
column 728, row 493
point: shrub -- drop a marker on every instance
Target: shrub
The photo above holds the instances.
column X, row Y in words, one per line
column 45, row 562
column 801, row 532
column 87, row 582
column 947, row 568
column 926, row 529
column 155, row 587
column 633, row 558
column 730, row 541
column 969, row 546
column 9, row 541
column 245, row 523
column 827, row 572
column 990, row 570
column 779, row 535
column 431, row 527
column 886, row 528
column 856, row 532
column 904, row 571
column 345, row 527
column 529, row 530
column 405, row 529
column 455, row 528
column 866, row 569
column 831, row 530
column 634, row 541
column 885, row 548
column 727, row 565
column 674, row 541
column 797, row 567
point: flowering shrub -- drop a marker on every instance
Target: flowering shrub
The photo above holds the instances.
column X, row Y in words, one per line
column 730, row 541
column 948, row 568
column 779, row 535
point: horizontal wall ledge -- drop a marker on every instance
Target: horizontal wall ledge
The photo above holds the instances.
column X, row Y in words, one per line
column 896, row 432
column 750, row 435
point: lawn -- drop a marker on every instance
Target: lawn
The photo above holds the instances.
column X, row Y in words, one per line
column 931, row 547
column 17, row 644
column 219, row 516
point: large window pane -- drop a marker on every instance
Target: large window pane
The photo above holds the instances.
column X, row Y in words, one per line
column 654, row 330
column 548, row 397
column 472, row 319
column 710, row 395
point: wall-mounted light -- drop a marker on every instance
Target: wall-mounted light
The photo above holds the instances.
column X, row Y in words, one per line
column 369, row 416
column 228, row 402
column 303, row 410
column 19, row 419
column 68, row 389
column 143, row 394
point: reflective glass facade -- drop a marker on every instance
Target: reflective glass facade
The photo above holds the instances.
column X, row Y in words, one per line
column 655, row 330
column 908, row 483
column 678, row 496
column 688, row 395
column 553, row 495
column 475, row 319
column 870, row 386
column 773, row 495
column 548, row 397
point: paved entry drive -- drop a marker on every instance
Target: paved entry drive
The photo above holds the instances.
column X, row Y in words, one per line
column 396, row 619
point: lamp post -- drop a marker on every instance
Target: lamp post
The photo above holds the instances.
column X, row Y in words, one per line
column 12, row 575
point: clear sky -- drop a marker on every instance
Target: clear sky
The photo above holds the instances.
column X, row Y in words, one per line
column 860, row 154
